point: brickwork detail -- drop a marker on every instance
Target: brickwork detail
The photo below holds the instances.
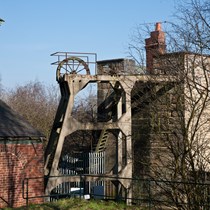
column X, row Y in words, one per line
column 18, row 161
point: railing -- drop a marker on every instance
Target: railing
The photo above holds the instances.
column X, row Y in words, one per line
column 148, row 193
column 89, row 58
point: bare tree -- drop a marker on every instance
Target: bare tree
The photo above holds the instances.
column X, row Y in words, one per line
column 36, row 102
column 1, row 89
column 173, row 145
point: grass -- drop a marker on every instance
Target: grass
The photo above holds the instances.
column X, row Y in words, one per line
column 78, row 204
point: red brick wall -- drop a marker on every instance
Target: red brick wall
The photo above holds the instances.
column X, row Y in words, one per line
column 155, row 46
column 18, row 161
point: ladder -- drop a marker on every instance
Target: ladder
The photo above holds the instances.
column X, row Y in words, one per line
column 101, row 146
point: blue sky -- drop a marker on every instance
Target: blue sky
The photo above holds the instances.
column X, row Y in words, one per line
column 37, row 28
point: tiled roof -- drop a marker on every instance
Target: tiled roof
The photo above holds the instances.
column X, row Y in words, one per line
column 12, row 125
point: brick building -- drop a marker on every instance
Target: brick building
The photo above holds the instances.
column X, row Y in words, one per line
column 21, row 156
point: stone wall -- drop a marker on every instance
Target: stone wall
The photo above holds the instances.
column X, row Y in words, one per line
column 154, row 122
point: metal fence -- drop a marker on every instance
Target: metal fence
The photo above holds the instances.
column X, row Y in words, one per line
column 150, row 194
column 83, row 163
column 80, row 163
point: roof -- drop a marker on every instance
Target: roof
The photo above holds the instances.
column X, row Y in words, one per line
column 182, row 53
column 12, row 125
column 112, row 60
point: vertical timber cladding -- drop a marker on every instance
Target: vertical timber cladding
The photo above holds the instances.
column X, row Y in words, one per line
column 20, row 159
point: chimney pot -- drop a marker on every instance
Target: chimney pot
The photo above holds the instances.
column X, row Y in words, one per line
column 158, row 26
column 155, row 46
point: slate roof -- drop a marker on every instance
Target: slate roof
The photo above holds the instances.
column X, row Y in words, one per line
column 12, row 125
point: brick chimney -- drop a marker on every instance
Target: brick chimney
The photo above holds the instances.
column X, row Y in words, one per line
column 155, row 46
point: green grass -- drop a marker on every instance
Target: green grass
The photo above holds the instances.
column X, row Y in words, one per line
column 79, row 204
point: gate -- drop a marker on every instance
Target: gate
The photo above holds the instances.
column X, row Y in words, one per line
column 81, row 163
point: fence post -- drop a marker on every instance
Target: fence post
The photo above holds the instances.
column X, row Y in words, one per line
column 26, row 191
column 23, row 189
column 150, row 199
column 80, row 189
